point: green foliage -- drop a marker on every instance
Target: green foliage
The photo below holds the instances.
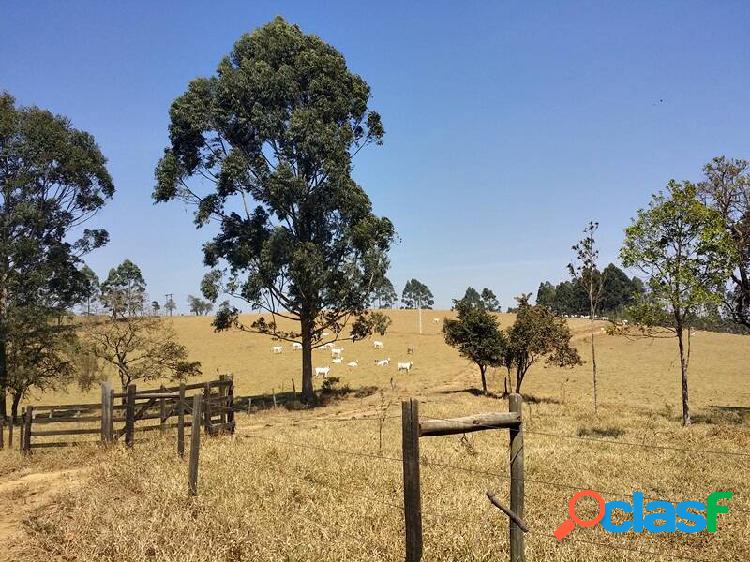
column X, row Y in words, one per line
column 683, row 248
column 384, row 295
column 726, row 189
column 53, row 179
column 489, row 300
column 416, row 295
column 538, row 334
column 477, row 336
column 123, row 292
column 471, row 298
column 198, row 306
column 571, row 297
column 270, row 140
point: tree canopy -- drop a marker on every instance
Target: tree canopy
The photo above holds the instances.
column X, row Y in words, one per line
column 682, row 247
column 416, row 295
column 268, row 143
column 53, row 180
column 538, row 334
column 477, row 336
column 726, row 189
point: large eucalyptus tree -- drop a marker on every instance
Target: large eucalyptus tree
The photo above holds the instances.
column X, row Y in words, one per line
column 264, row 149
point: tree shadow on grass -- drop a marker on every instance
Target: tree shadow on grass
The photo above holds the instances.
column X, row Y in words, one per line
column 724, row 415
column 292, row 400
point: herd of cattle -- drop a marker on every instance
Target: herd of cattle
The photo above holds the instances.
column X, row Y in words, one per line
column 336, row 357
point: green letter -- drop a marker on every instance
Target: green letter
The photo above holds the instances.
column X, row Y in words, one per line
column 713, row 508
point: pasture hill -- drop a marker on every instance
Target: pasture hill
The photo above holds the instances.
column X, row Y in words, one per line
column 325, row 483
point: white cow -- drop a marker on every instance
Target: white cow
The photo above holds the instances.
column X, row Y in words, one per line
column 377, row 344
column 405, row 366
column 322, row 371
column 337, row 360
column 296, row 345
column 383, row 362
column 327, row 345
column 336, row 351
column 277, row 349
column 436, row 320
column 353, row 364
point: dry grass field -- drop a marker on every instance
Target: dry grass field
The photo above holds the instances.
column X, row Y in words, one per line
column 316, row 484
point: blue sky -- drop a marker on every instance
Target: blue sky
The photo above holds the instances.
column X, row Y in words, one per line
column 509, row 125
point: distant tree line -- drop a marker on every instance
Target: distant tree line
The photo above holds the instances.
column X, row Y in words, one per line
column 571, row 297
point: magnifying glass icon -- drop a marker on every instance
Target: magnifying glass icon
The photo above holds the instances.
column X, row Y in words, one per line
column 569, row 524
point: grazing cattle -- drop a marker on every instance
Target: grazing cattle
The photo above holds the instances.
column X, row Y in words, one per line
column 277, row 349
column 325, row 334
column 296, row 345
column 337, row 360
column 322, row 371
column 405, row 366
column 336, row 351
column 436, row 320
column 377, row 344
column 353, row 364
column 383, row 362
column 327, row 346
column 410, row 351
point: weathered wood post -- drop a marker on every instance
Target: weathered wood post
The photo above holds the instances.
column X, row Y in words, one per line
column 195, row 445
column 515, row 403
column 230, row 404
column 27, row 420
column 294, row 392
column 273, row 393
column 181, row 422
column 130, row 416
column 162, row 412
column 222, row 400
column 412, row 494
column 206, row 408
column 106, row 419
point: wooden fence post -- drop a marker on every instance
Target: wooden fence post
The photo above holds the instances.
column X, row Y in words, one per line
column 515, row 404
column 27, row 420
column 230, row 404
column 106, row 418
column 207, row 408
column 162, row 412
column 195, row 445
column 130, row 416
column 181, row 422
column 412, row 494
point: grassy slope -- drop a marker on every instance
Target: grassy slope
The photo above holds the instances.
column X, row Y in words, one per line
column 265, row 499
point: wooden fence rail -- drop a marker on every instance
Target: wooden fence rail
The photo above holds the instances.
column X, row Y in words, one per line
column 413, row 429
column 110, row 421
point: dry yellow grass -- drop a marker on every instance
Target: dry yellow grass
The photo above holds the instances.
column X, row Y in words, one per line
column 282, row 489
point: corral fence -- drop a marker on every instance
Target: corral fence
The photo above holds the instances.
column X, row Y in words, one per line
column 122, row 415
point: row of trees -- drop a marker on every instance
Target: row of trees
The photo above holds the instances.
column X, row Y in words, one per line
column 618, row 291
column 537, row 335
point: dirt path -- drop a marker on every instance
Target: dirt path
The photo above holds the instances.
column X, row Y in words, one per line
column 23, row 497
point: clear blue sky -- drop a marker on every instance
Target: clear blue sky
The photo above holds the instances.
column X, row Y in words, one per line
column 508, row 125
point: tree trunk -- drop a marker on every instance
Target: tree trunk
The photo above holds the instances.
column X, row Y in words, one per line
column 593, row 361
column 482, row 370
column 684, row 374
column 14, row 406
column 307, row 384
column 3, row 377
column 519, row 380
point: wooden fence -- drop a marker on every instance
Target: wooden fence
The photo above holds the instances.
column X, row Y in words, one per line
column 413, row 429
column 123, row 414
